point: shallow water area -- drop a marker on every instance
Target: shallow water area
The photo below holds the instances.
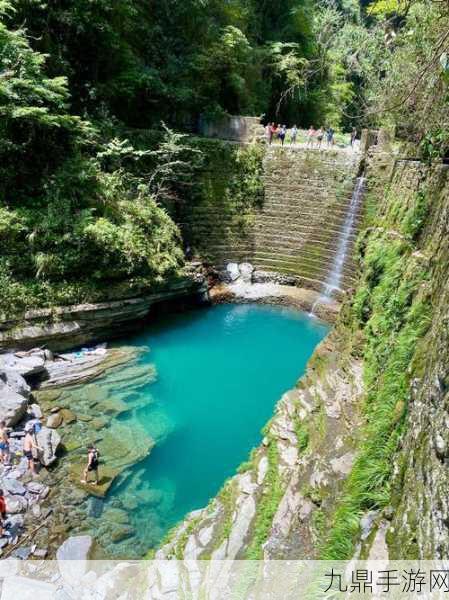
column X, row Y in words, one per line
column 202, row 386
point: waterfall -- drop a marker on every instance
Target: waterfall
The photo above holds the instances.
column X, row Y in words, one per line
column 333, row 279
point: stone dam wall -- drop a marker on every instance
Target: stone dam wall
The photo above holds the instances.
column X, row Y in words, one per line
column 293, row 229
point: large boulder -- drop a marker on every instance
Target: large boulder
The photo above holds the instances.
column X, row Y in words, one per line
column 246, row 271
column 26, row 365
column 75, row 548
column 232, row 271
column 13, row 486
column 13, row 406
column 72, row 557
column 26, row 588
column 48, row 440
column 15, row 382
column 16, row 504
column 54, row 420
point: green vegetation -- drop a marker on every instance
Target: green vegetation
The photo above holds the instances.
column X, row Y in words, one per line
column 302, row 436
column 95, row 176
column 267, row 504
column 229, row 188
column 83, row 210
column 393, row 310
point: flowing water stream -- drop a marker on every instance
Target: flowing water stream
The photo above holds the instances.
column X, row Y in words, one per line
column 334, row 278
column 202, row 387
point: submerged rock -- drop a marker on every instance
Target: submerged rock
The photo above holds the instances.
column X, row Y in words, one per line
column 54, row 420
column 107, row 476
column 68, row 416
column 121, row 533
column 95, row 507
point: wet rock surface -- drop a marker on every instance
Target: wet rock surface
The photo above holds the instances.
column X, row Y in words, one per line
column 43, row 508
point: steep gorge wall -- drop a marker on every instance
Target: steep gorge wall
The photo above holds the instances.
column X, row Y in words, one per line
column 292, row 219
column 354, row 461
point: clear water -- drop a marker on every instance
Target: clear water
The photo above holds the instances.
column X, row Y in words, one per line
column 219, row 373
column 333, row 279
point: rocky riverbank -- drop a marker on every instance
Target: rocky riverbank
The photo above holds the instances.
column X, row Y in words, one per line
column 242, row 283
column 42, row 510
column 65, row 327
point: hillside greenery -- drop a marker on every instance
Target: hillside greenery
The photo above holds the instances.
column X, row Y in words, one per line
column 86, row 213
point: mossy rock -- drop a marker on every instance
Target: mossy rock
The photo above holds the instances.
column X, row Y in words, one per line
column 85, row 418
column 107, row 476
column 44, row 396
column 68, row 416
column 99, row 423
column 71, row 445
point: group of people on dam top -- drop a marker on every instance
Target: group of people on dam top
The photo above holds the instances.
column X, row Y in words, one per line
column 314, row 137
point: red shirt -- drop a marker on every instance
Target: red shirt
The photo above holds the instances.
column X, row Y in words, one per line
column 2, row 505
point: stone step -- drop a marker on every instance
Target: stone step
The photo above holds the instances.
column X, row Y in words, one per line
column 291, row 246
column 281, row 217
column 334, row 183
column 311, row 260
column 329, row 224
column 298, row 234
column 301, row 210
column 296, row 214
column 300, row 265
column 298, row 211
column 327, row 240
column 285, row 267
column 331, row 188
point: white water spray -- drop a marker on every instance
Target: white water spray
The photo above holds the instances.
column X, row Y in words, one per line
column 333, row 280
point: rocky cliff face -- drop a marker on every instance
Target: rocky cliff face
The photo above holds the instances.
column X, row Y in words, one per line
column 70, row 326
column 354, row 462
column 419, row 512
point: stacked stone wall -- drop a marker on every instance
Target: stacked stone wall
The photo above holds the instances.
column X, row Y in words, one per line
column 297, row 226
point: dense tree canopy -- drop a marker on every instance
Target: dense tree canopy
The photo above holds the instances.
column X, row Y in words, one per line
column 80, row 207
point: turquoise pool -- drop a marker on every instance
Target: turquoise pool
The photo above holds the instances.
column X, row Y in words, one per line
column 219, row 372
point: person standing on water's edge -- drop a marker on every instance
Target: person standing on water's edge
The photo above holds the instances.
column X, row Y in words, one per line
column 282, row 132
column 311, row 136
column 353, row 136
column 274, row 130
column 29, row 444
column 330, row 137
column 293, row 134
column 92, row 464
column 4, row 443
